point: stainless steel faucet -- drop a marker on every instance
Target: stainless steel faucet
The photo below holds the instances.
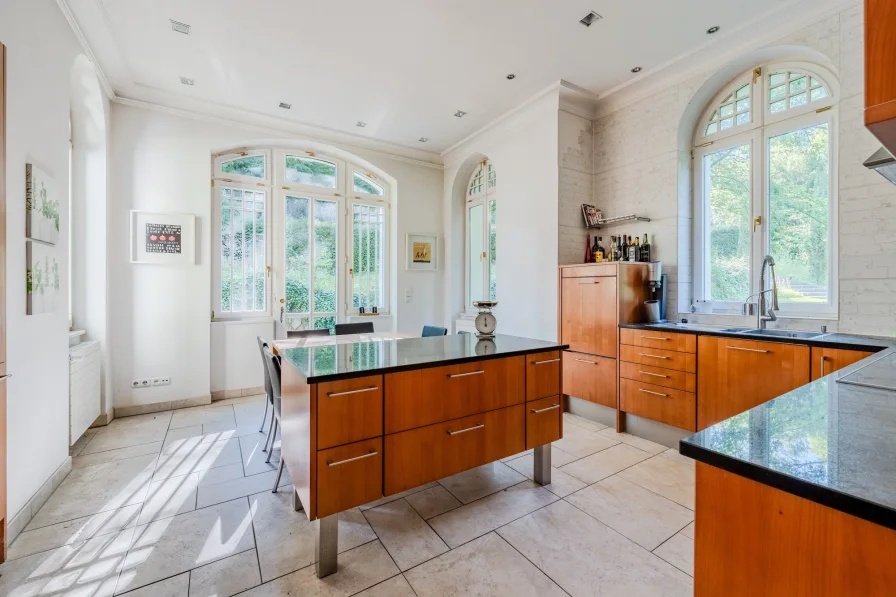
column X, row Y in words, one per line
column 766, row 311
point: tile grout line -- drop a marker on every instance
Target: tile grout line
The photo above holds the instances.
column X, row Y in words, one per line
column 378, row 538
column 254, row 540
column 512, row 546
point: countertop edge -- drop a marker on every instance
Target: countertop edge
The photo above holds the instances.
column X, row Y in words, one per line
column 825, row 496
column 456, row 361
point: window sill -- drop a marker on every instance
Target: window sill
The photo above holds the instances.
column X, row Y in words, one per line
column 244, row 320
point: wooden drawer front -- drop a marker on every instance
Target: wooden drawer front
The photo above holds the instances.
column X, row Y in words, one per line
column 672, row 407
column 349, row 411
column 349, row 476
column 544, row 423
column 590, row 378
column 542, row 375
column 667, row 359
column 586, row 271
column 661, row 340
column 422, row 455
column 668, row 378
column 425, row 396
column 827, row 360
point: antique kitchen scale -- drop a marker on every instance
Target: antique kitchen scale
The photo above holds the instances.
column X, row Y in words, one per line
column 485, row 327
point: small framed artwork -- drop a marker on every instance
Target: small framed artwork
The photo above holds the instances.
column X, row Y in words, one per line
column 42, row 278
column 592, row 216
column 422, row 252
column 163, row 238
column 41, row 206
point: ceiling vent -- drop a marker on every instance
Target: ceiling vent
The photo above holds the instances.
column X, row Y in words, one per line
column 285, row 106
column 590, row 18
column 180, row 27
column 424, row 139
column 187, row 81
column 460, row 113
column 361, row 125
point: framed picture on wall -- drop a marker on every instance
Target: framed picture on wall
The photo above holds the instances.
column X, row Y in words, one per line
column 163, row 238
column 42, row 278
column 422, row 252
column 41, row 206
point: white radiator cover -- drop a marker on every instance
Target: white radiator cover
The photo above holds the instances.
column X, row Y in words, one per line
column 84, row 363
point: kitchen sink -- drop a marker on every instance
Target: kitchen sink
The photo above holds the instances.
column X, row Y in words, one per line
column 780, row 333
column 735, row 330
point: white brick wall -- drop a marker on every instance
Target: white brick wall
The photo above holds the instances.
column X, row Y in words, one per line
column 636, row 170
column 575, row 141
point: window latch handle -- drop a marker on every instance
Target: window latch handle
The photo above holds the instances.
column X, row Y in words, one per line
column 757, row 222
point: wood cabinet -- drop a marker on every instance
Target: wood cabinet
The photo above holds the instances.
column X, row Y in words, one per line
column 880, row 70
column 661, row 340
column 424, row 396
column 543, row 422
column 669, row 378
column 542, row 375
column 349, row 475
column 827, row 360
column 589, row 315
column 419, row 456
column 667, row 359
column 590, row 378
column 737, row 375
column 350, row 410
column 658, row 403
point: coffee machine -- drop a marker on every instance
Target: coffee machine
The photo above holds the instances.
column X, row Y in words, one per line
column 658, row 283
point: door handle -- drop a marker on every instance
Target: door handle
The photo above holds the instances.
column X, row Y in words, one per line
column 653, row 356
column 541, row 410
column 473, row 428
column 654, row 393
column 822, row 366
column 584, row 361
column 368, row 455
column 545, row 362
column 654, row 374
column 655, row 338
column 453, row 375
column 370, row 389
column 5, row 377
column 747, row 349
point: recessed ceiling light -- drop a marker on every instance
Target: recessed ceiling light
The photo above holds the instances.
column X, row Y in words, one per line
column 637, row 69
column 460, row 113
column 285, row 106
column 590, row 18
column 187, row 81
column 511, row 77
column 180, row 27
column 713, row 29
column 423, row 139
column 361, row 124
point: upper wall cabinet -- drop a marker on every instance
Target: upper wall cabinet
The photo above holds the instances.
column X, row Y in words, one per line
column 880, row 70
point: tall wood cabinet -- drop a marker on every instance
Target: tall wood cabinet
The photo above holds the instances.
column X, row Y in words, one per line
column 880, row 70
column 594, row 300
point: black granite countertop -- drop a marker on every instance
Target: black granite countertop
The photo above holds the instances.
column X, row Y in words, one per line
column 829, row 442
column 343, row 361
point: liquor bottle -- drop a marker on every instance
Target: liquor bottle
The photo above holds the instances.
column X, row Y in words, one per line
column 645, row 250
column 588, row 257
column 601, row 254
column 624, row 251
column 634, row 251
column 594, row 250
column 612, row 254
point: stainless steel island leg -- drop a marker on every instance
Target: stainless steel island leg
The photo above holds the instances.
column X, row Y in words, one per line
column 326, row 545
column 542, row 456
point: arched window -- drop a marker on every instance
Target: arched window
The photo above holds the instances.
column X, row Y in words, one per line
column 288, row 228
column 482, row 211
column 765, row 184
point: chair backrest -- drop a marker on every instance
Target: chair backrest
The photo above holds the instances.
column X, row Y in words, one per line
column 273, row 365
column 364, row 327
column 264, row 364
column 434, row 330
column 306, row 333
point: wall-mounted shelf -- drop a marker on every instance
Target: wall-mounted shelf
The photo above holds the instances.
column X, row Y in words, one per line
column 619, row 220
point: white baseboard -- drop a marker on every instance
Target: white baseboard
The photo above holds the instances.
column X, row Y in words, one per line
column 31, row 507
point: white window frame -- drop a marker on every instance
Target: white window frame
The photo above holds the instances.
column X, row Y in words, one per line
column 757, row 133
column 276, row 189
column 482, row 198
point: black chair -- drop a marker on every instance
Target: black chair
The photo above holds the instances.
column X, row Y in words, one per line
column 365, row 327
column 306, row 333
column 273, row 365
column 434, row 330
column 269, row 396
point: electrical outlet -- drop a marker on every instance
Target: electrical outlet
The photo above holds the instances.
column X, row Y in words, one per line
column 145, row 383
column 156, row 381
column 165, row 381
column 135, row 383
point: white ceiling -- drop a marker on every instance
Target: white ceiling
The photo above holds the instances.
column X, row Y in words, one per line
column 402, row 66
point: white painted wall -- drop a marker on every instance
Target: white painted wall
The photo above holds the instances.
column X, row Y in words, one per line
column 523, row 148
column 637, row 162
column 41, row 50
column 160, row 315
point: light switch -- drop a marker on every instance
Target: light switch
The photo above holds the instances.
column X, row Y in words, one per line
column 407, row 295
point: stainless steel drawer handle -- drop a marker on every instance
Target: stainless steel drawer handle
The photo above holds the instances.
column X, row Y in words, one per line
column 479, row 372
column 370, row 389
column 654, row 338
column 595, row 282
column 541, row 410
column 653, row 356
column 589, row 362
column 5, row 377
column 747, row 349
column 546, row 362
column 654, row 374
column 654, row 393
column 368, row 455
column 473, row 428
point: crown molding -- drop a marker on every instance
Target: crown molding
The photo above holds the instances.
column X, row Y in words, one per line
column 577, row 100
column 76, row 29
column 278, row 132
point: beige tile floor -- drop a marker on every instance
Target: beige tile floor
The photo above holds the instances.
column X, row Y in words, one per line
column 179, row 504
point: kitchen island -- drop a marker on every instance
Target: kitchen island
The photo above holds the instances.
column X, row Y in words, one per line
column 797, row 496
column 370, row 419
